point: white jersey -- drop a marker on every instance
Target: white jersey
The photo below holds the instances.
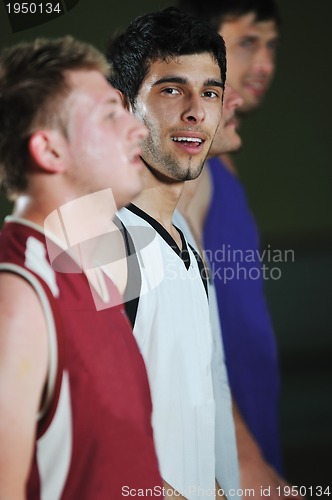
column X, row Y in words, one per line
column 172, row 328
column 227, row 468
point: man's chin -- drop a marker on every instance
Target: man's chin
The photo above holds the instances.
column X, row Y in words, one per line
column 192, row 174
column 250, row 105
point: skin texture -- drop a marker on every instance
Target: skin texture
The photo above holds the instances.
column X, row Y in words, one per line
column 23, row 368
column 100, row 150
column 178, row 98
column 196, row 194
column 227, row 137
column 251, row 51
column 102, row 134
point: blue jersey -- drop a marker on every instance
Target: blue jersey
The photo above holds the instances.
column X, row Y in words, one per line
column 232, row 243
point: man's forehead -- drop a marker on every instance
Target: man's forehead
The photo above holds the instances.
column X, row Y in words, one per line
column 185, row 62
column 180, row 58
column 193, row 69
column 92, row 84
column 248, row 25
column 90, row 97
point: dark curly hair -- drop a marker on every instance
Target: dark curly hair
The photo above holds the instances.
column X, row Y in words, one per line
column 159, row 35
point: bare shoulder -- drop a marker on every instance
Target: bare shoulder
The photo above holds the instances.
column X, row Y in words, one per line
column 23, row 368
column 20, row 306
column 23, row 330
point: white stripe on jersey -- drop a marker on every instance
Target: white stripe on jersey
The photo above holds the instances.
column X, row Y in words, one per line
column 54, row 447
column 35, row 259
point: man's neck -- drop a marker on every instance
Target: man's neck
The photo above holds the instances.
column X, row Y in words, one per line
column 85, row 216
column 229, row 163
column 159, row 199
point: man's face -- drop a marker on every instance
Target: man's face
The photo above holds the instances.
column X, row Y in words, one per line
column 102, row 139
column 251, row 49
column 227, row 138
column 180, row 102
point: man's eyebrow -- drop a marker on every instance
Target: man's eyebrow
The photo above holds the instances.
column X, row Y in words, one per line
column 210, row 82
column 112, row 101
column 171, row 79
column 253, row 37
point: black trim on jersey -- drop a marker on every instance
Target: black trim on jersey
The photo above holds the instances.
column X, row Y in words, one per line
column 183, row 254
column 134, row 284
column 203, row 271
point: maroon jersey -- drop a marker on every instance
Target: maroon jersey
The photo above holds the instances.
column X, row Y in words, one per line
column 94, row 437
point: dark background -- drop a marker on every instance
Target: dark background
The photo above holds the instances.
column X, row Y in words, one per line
column 286, row 167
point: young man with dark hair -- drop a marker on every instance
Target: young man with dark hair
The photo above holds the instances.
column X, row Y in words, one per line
column 74, row 398
column 171, row 70
column 222, row 218
column 250, row 29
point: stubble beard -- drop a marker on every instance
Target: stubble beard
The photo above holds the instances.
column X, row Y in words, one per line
column 166, row 165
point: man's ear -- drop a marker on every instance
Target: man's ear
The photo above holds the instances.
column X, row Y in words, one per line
column 46, row 148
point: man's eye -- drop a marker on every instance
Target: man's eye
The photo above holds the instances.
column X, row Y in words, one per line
column 170, row 91
column 210, row 94
column 273, row 45
column 247, row 43
column 116, row 112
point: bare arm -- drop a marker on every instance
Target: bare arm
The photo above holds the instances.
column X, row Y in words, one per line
column 23, row 368
column 255, row 472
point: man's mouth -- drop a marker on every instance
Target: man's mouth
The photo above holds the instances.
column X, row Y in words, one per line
column 196, row 140
column 257, row 87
